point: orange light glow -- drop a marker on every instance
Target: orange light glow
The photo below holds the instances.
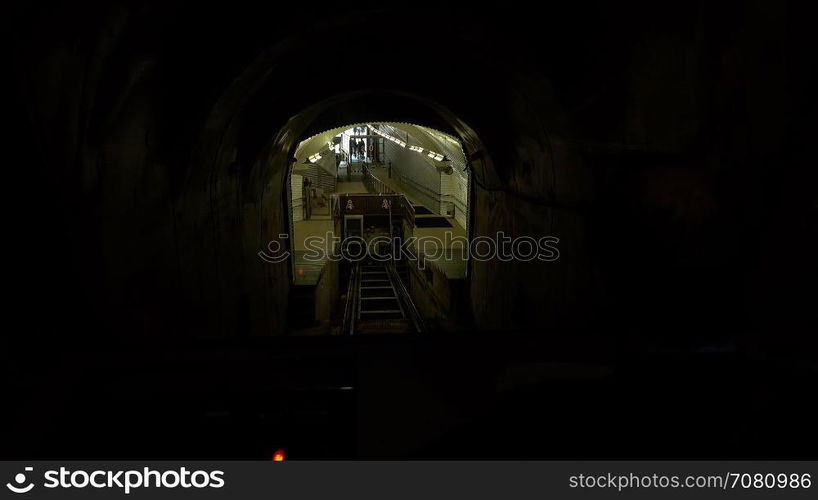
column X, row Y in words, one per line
column 278, row 456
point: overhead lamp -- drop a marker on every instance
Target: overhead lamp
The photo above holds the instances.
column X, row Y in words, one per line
column 314, row 158
column 417, row 149
column 386, row 136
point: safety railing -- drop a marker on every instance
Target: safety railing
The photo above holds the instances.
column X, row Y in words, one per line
column 374, row 184
column 351, row 306
column 407, row 304
column 378, row 186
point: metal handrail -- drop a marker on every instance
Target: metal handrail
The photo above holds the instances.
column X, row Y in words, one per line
column 409, row 208
column 350, row 309
column 384, row 187
column 406, row 300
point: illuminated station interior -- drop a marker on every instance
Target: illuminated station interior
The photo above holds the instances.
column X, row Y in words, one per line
column 382, row 183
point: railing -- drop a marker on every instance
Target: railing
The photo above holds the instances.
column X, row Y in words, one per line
column 376, row 185
column 405, row 299
column 424, row 193
column 381, row 187
column 420, row 187
column 344, row 155
column 373, row 203
column 351, row 305
column 325, row 180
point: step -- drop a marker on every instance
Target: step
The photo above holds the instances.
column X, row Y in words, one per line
column 381, row 292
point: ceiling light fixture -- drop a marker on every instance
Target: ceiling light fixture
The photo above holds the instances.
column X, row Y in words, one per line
column 389, row 137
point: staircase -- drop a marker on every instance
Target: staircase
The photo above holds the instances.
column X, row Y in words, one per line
column 378, row 301
column 319, row 177
column 377, row 298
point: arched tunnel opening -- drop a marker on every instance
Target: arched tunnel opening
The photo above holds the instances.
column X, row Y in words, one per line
column 378, row 219
column 632, row 184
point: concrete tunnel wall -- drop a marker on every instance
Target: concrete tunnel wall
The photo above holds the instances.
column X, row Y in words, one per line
column 161, row 154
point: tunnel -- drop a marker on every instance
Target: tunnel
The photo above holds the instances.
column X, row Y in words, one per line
column 662, row 147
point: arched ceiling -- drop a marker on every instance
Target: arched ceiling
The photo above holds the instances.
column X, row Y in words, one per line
column 427, row 138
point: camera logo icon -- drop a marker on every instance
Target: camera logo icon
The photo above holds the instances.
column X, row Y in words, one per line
column 20, row 478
